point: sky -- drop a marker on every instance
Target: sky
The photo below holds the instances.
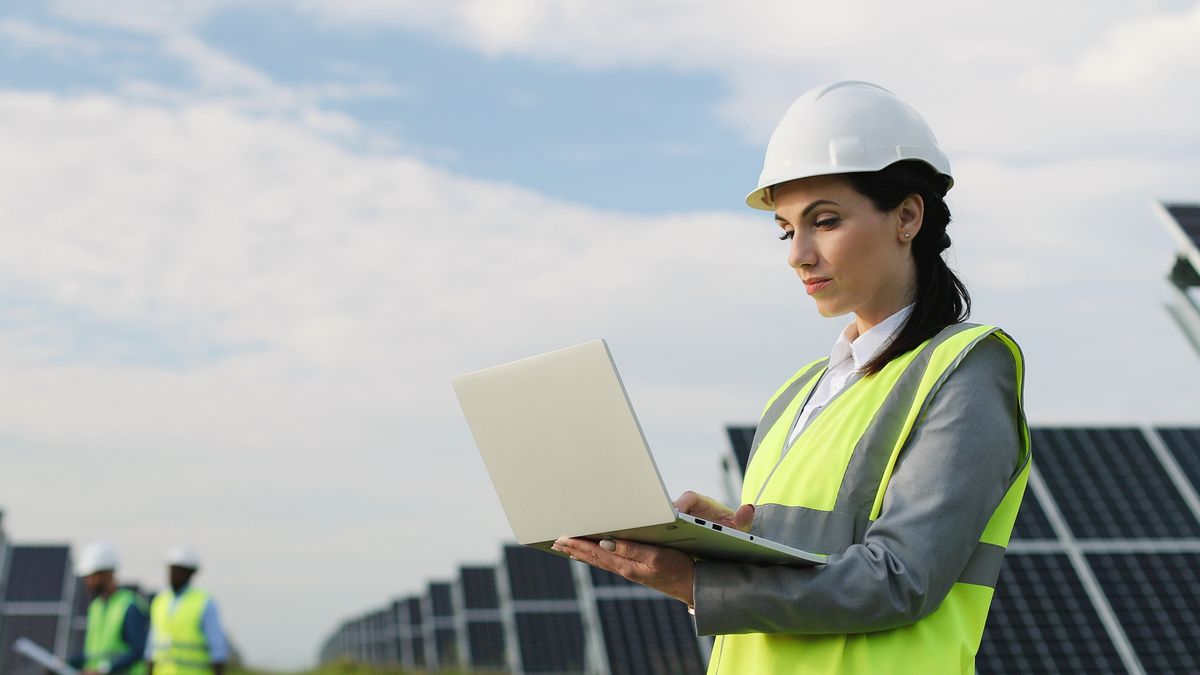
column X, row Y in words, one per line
column 244, row 246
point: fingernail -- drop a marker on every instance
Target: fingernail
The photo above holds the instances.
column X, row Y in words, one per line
column 608, row 545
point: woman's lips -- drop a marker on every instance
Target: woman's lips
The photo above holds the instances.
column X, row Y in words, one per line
column 814, row 285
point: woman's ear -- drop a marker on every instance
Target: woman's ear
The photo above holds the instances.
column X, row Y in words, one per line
column 910, row 213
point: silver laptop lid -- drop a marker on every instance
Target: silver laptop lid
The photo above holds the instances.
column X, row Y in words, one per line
column 562, row 445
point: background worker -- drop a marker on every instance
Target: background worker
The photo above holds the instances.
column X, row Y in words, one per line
column 903, row 456
column 186, row 637
column 117, row 621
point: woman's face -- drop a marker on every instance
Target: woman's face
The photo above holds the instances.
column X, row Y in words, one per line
column 850, row 256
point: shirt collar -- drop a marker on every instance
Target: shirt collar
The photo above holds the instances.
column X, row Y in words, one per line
column 862, row 348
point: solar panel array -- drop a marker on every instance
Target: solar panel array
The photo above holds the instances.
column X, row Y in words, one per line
column 1102, row 575
column 534, row 613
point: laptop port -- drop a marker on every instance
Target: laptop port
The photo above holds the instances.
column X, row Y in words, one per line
column 716, row 527
column 700, row 522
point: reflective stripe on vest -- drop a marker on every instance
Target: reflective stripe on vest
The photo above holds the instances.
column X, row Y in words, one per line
column 180, row 647
column 104, row 643
column 827, row 488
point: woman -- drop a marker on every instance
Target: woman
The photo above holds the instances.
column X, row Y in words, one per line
column 903, row 456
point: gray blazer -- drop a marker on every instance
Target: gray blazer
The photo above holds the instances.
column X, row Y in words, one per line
column 951, row 475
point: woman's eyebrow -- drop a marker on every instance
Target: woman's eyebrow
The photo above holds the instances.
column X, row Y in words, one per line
column 820, row 202
column 807, row 210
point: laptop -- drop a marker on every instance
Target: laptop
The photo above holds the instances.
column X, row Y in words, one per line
column 567, row 456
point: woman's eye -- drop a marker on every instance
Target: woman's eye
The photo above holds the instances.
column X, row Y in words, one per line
column 828, row 222
column 787, row 234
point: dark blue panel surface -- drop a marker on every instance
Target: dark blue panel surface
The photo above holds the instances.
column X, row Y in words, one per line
column 1156, row 597
column 651, row 636
column 1042, row 621
column 1109, row 484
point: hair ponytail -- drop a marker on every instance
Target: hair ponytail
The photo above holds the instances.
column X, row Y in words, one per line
column 941, row 298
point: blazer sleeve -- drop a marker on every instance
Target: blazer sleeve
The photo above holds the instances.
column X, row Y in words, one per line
column 952, row 474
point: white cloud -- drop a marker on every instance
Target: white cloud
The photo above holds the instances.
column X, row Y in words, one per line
column 26, row 35
column 1025, row 80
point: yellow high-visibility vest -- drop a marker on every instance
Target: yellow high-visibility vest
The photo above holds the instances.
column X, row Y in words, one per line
column 180, row 647
column 103, row 643
column 874, row 415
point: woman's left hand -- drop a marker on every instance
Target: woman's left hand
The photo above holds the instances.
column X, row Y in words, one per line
column 660, row 568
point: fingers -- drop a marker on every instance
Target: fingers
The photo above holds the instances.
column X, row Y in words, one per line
column 615, row 555
column 702, row 506
column 687, row 501
column 743, row 518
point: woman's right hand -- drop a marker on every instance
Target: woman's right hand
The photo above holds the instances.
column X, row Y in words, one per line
column 707, row 508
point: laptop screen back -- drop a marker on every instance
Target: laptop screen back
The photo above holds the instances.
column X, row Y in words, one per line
column 562, row 445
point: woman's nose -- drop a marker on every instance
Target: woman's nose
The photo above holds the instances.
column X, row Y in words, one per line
column 802, row 252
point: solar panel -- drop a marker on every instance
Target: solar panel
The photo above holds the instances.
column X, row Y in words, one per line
column 409, row 632
column 447, row 647
column 649, row 636
column 37, row 573
column 42, row 629
column 485, row 639
column 79, row 608
column 1108, row 484
column 1032, row 522
column 550, row 642
column 439, row 594
column 1184, row 444
column 1187, row 217
column 602, row 578
column 1156, row 596
column 1042, row 621
column 479, row 587
column 740, row 439
column 534, row 575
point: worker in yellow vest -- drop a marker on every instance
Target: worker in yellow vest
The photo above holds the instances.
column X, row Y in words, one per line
column 903, row 456
column 186, row 637
column 115, row 641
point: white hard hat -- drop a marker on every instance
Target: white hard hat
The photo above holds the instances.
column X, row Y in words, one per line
column 97, row 557
column 183, row 556
column 845, row 127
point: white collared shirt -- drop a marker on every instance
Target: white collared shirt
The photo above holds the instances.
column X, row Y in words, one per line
column 850, row 353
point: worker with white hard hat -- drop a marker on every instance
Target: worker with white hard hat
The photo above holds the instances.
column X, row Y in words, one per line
column 117, row 620
column 186, row 636
column 903, row 456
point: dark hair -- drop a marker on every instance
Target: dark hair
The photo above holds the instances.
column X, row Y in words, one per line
column 941, row 298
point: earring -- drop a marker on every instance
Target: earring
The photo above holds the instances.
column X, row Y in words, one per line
column 907, row 235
